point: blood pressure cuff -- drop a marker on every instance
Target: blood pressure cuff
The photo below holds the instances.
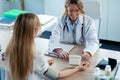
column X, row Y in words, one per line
column 51, row 73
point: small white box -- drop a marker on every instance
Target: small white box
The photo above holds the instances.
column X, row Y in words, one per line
column 74, row 59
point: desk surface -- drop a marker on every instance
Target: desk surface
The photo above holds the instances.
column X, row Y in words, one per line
column 61, row 64
column 88, row 74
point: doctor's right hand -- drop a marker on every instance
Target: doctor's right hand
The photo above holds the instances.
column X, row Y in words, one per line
column 63, row 54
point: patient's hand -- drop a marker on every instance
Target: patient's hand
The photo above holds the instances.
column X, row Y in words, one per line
column 83, row 66
column 50, row 62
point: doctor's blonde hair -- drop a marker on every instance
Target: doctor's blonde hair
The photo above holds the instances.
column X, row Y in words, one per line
column 79, row 3
column 20, row 51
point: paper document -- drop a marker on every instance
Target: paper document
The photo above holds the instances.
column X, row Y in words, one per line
column 65, row 47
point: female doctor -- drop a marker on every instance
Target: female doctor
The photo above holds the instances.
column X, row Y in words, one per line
column 77, row 28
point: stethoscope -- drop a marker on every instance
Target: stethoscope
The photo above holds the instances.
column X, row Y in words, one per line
column 65, row 27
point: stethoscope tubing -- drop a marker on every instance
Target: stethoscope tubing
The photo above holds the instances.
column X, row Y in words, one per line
column 66, row 27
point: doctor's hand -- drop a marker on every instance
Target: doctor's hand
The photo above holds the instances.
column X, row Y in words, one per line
column 63, row 54
column 86, row 55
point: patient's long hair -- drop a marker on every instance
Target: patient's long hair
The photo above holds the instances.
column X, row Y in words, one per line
column 20, row 50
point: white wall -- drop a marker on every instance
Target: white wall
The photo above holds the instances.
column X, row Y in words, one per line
column 36, row 6
column 4, row 6
column 110, row 24
column 54, row 7
column 104, row 17
column 114, row 21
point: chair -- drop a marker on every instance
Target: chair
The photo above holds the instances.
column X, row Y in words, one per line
column 92, row 8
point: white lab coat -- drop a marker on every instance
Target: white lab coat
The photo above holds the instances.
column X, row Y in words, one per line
column 91, row 42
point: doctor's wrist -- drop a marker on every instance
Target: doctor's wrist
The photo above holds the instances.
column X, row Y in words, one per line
column 86, row 55
column 86, row 52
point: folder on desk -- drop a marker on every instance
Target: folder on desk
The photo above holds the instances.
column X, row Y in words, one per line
column 8, row 23
column 9, row 17
column 13, row 13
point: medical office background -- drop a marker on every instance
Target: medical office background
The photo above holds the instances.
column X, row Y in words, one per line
column 110, row 13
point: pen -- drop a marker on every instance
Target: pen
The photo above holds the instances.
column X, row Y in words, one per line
column 54, row 54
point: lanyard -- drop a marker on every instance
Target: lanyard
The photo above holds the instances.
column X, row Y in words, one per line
column 65, row 26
